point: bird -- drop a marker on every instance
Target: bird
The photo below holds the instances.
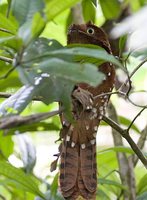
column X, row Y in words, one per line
column 78, row 166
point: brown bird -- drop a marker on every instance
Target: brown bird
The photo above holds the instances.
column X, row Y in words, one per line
column 78, row 167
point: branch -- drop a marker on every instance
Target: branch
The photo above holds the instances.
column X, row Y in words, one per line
column 15, row 121
column 132, row 73
column 6, row 31
column 124, row 165
column 140, row 144
column 77, row 14
column 126, row 135
column 132, row 122
column 5, row 59
column 7, row 73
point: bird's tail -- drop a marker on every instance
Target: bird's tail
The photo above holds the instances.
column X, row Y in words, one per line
column 78, row 171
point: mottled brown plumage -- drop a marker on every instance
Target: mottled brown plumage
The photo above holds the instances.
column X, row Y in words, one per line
column 78, row 169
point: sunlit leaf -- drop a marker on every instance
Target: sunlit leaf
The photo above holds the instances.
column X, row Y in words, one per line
column 142, row 186
column 111, row 9
column 89, row 11
column 119, row 149
column 54, row 7
column 111, row 182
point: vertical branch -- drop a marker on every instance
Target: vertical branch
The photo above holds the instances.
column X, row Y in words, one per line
column 140, row 144
column 125, row 167
column 77, row 14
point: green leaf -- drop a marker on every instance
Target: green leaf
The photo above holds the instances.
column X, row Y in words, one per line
column 102, row 195
column 89, row 11
column 96, row 56
column 6, row 145
column 32, row 28
column 9, row 25
column 54, row 7
column 27, row 152
column 24, row 10
column 111, row 182
column 38, row 25
column 111, row 9
column 17, row 175
column 142, row 186
column 126, row 122
column 122, row 43
column 119, row 149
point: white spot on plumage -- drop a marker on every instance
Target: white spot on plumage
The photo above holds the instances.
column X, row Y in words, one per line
column 94, row 110
column 94, row 134
column 73, row 144
column 101, row 108
column 67, row 138
column 95, row 128
column 92, row 141
column 83, row 146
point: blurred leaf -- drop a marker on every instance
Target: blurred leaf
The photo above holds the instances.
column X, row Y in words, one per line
column 17, row 102
column 111, row 182
column 32, row 28
column 142, row 186
column 54, row 7
column 89, row 11
column 122, row 43
column 54, row 79
column 8, row 24
column 24, row 10
column 22, row 179
column 54, row 186
column 6, row 145
column 126, row 122
column 102, row 195
column 111, row 9
column 142, row 196
column 27, row 151
column 119, row 149
column 38, row 24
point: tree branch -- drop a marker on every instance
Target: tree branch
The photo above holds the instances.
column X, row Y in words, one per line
column 126, row 135
column 5, row 59
column 125, row 168
column 15, row 121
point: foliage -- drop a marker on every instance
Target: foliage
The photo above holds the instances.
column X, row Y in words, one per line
column 35, row 65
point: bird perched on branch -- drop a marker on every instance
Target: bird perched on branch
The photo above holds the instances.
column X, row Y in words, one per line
column 78, row 168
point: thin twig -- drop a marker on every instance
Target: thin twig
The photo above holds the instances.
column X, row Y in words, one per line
column 5, row 59
column 6, row 31
column 7, row 95
column 15, row 121
column 7, row 73
column 133, row 72
column 132, row 122
column 126, row 135
column 2, row 197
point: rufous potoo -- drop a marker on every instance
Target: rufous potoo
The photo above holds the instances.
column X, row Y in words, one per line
column 78, row 168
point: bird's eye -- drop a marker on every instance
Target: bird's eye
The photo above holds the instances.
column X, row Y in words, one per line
column 90, row 31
